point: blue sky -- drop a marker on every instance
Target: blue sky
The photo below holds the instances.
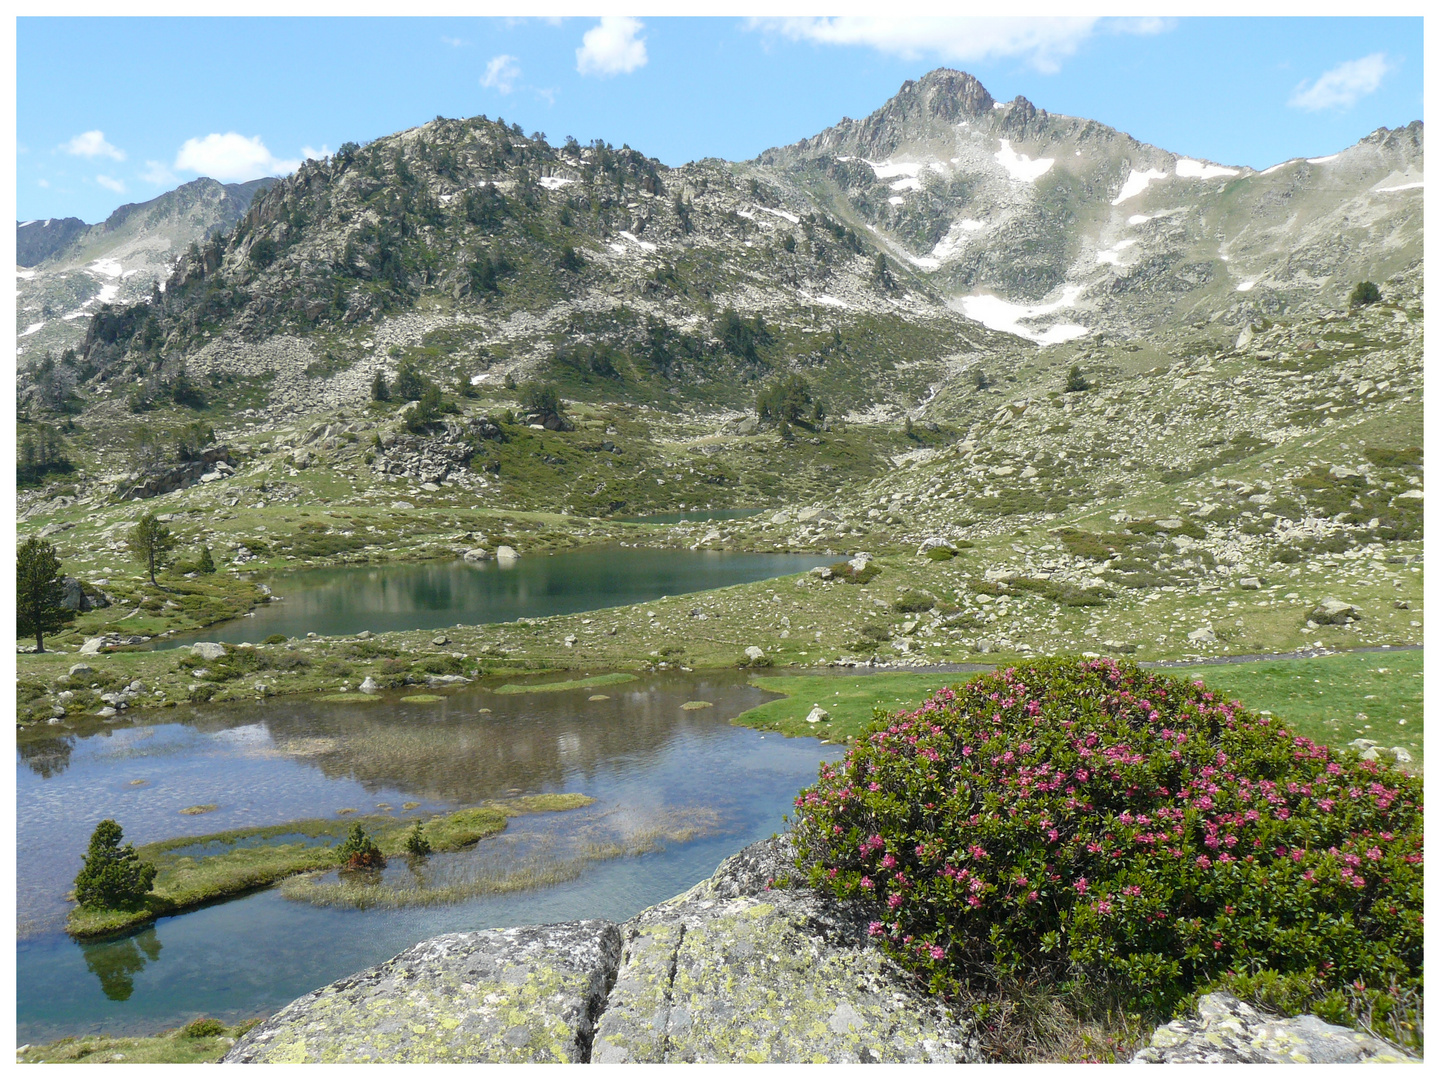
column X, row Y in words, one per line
column 110, row 111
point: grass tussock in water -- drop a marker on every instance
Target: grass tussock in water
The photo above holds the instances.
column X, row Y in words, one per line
column 569, row 684
column 550, row 860
column 195, row 870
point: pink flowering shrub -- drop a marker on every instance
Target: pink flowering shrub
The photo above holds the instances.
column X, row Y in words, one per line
column 1092, row 824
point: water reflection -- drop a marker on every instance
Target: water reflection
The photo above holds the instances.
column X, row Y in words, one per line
column 46, row 757
column 116, row 963
column 675, row 792
column 414, row 596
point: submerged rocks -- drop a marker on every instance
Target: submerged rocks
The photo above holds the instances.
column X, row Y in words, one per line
column 525, row 995
column 1227, row 1031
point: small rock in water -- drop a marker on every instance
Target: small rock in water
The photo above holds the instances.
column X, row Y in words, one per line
column 369, row 686
column 505, row 551
column 754, row 652
column 602, row 697
column 691, row 706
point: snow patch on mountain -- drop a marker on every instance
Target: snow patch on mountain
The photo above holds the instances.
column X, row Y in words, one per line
column 1136, row 182
column 1198, row 170
column 1002, row 315
column 1021, row 166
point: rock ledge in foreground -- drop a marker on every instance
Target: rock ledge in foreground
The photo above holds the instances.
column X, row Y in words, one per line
column 1227, row 1031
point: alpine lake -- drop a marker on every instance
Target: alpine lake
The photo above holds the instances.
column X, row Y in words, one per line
column 676, row 788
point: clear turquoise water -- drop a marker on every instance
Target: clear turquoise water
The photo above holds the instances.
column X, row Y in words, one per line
column 423, row 596
column 638, row 753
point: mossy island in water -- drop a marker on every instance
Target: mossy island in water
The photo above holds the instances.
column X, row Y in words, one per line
column 196, row 870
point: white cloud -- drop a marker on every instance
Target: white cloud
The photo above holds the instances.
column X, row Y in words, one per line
column 1342, row 85
column 42, row 183
column 611, row 47
column 231, row 157
column 92, row 144
column 1043, row 42
column 547, row 94
column 117, row 186
column 156, row 172
column 501, row 73
column 309, row 153
column 453, row 42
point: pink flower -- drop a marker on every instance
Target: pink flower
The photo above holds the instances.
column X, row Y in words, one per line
column 888, row 862
column 1203, row 862
column 1082, row 886
column 866, row 883
column 1103, row 907
column 877, row 928
column 937, row 953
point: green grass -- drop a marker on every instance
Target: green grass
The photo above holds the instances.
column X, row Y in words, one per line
column 851, row 701
column 167, row 1048
column 1320, row 697
column 571, row 684
column 187, row 881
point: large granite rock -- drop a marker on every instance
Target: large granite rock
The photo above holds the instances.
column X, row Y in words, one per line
column 524, row 995
column 733, row 972
column 1226, row 1030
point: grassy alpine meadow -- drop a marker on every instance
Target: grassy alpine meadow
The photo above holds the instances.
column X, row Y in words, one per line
column 195, row 870
column 1334, row 699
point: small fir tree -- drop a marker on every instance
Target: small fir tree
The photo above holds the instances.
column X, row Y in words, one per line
column 415, row 842
column 206, row 562
column 359, row 851
column 39, row 591
column 112, row 876
column 1076, row 382
column 380, row 389
column 151, row 542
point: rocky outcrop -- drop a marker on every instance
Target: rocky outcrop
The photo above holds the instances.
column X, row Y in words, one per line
column 524, row 995
column 212, row 460
column 736, row 970
column 1227, row 1031
column 740, row 968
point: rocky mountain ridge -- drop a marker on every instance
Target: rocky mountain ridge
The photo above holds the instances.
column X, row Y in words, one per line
column 984, row 228
column 68, row 269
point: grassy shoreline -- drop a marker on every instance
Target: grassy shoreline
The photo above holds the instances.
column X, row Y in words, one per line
column 185, row 882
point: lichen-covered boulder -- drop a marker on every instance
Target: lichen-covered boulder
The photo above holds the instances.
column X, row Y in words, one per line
column 734, row 972
column 525, row 995
column 1226, row 1030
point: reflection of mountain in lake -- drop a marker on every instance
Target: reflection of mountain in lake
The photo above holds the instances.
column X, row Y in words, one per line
column 116, row 963
column 451, row 751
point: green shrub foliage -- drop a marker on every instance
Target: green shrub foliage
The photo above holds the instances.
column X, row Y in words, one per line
column 1094, row 825
column 1365, row 292
column 112, row 876
column 416, row 843
column 359, row 851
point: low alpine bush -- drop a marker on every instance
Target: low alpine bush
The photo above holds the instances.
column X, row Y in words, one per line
column 359, row 851
column 1108, row 830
